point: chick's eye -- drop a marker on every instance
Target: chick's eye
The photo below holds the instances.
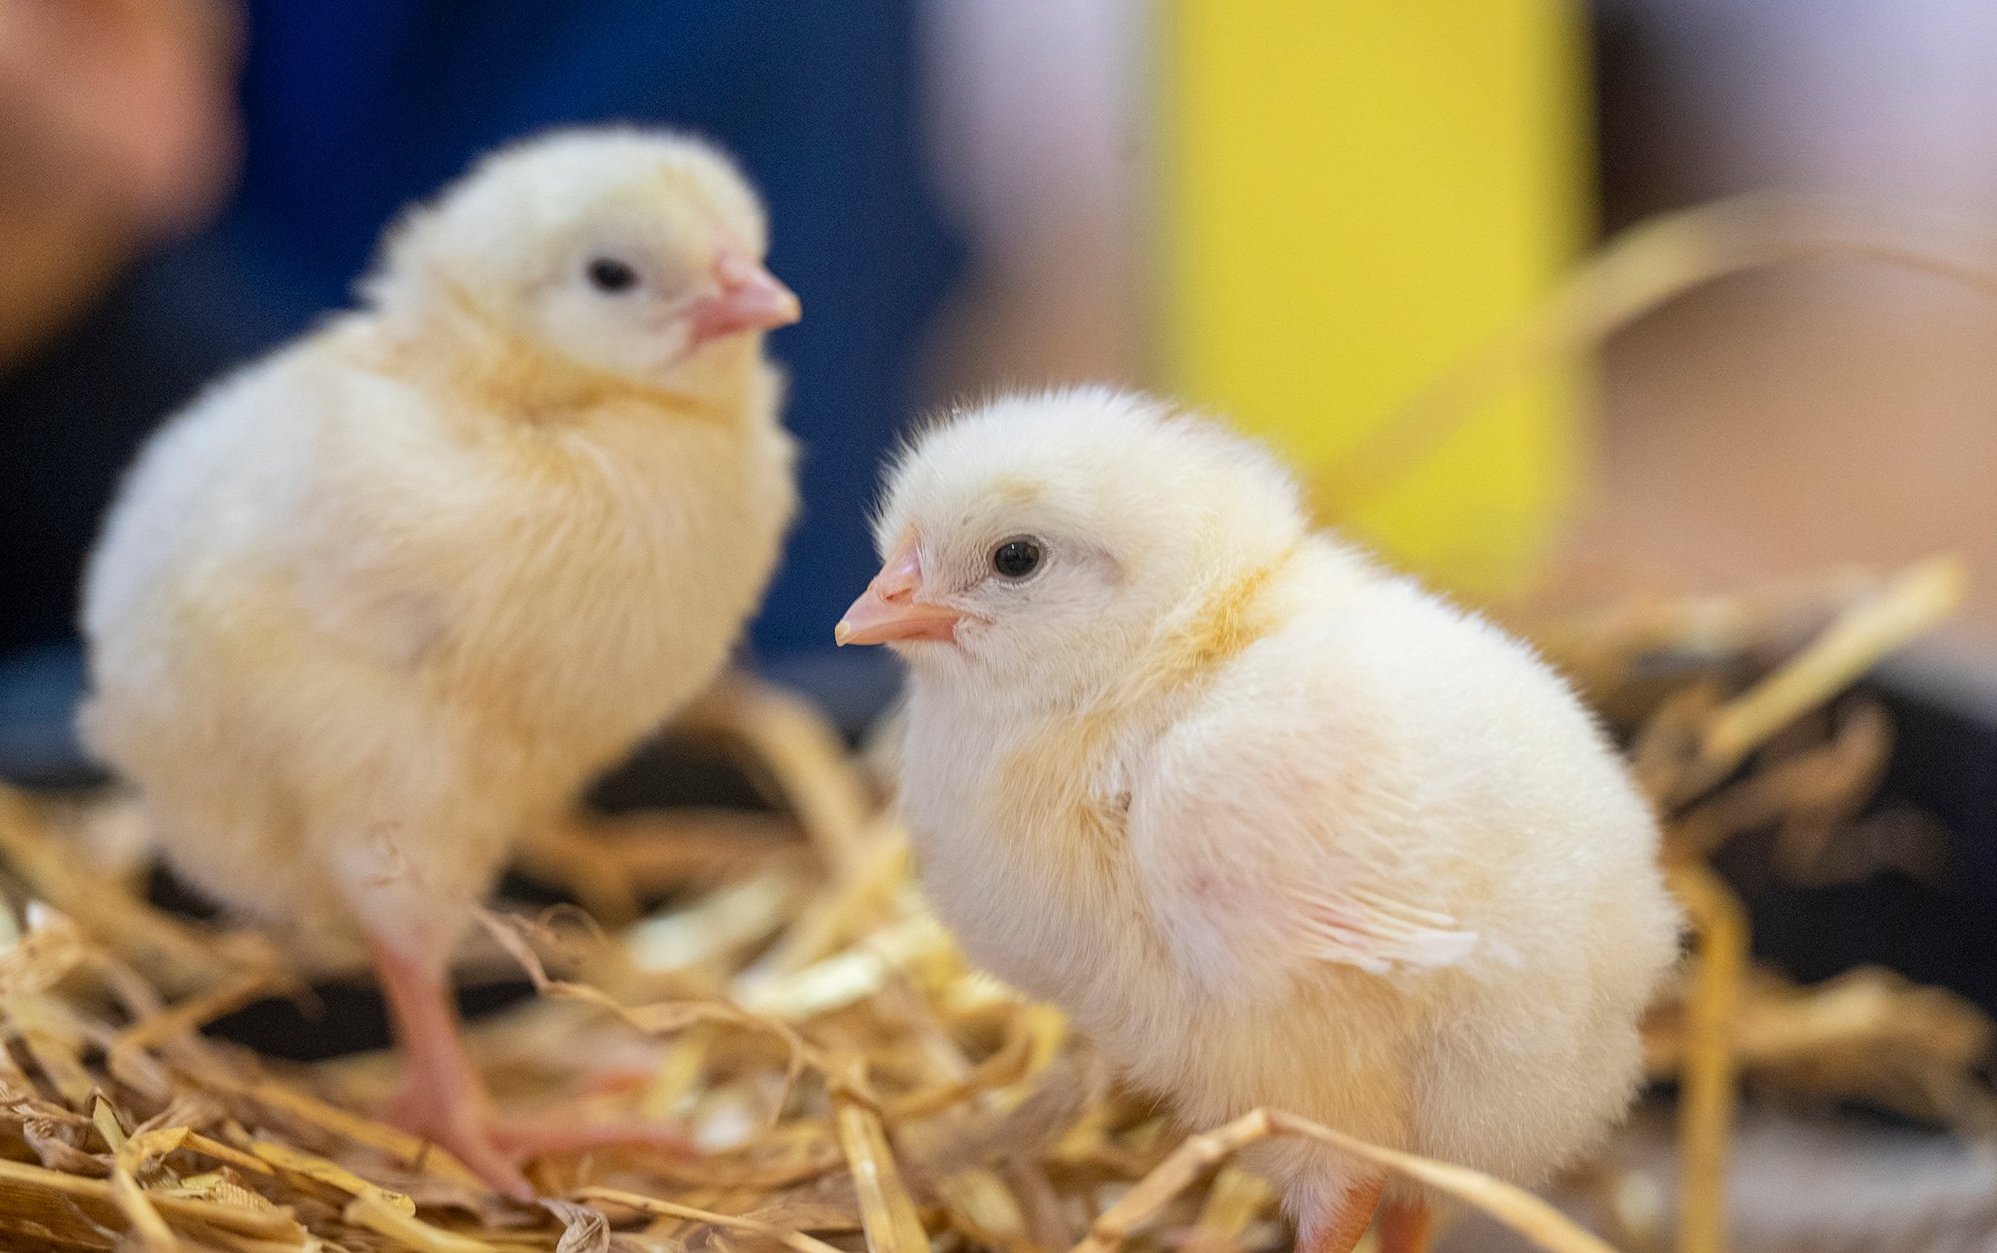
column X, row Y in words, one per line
column 1016, row 558
column 608, row 274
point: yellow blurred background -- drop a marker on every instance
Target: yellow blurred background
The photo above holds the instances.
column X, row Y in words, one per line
column 1299, row 214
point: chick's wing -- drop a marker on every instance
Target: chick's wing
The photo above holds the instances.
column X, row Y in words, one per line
column 1273, row 833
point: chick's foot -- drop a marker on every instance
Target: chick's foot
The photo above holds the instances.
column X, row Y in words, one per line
column 494, row 1146
column 459, row 1125
column 529, row 1137
column 442, row 1099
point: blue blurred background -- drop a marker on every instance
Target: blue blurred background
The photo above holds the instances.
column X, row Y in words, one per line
column 964, row 193
column 351, row 108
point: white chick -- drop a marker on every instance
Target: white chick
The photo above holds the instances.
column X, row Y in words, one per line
column 376, row 605
column 1275, row 827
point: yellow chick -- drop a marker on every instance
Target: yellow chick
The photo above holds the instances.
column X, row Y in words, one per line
column 377, row 604
column 1274, row 826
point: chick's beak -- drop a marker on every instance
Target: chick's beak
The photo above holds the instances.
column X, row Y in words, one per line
column 888, row 609
column 746, row 297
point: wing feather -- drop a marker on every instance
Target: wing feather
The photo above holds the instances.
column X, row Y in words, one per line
column 1270, row 842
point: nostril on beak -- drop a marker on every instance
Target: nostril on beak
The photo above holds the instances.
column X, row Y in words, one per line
column 900, row 576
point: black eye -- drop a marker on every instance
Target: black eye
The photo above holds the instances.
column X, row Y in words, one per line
column 1016, row 558
column 608, row 274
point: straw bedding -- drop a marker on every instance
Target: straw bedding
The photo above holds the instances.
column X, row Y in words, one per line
column 772, row 982
column 852, row 1080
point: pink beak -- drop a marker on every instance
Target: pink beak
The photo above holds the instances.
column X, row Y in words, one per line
column 888, row 611
column 747, row 297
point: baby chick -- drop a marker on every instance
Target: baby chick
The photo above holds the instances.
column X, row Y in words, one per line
column 378, row 604
column 1275, row 827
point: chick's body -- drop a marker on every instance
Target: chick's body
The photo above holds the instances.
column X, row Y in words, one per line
column 369, row 610
column 339, row 624
column 1401, row 746
column 1275, row 827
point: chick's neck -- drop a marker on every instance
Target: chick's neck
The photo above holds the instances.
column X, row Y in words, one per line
column 1233, row 613
column 460, row 344
column 1187, row 645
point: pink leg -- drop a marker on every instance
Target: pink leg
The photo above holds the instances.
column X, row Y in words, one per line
column 443, row 1101
column 1404, row 1227
column 1340, row 1231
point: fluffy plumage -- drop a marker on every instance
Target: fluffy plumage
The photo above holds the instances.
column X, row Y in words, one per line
column 375, row 605
column 1273, row 825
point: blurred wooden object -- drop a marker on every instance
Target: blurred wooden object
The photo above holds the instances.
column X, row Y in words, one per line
column 1838, row 411
column 117, row 127
column 1780, row 422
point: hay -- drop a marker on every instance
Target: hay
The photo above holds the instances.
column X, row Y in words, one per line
column 850, row 1078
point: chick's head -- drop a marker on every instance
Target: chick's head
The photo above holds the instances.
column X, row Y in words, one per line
column 1037, row 541
column 625, row 252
